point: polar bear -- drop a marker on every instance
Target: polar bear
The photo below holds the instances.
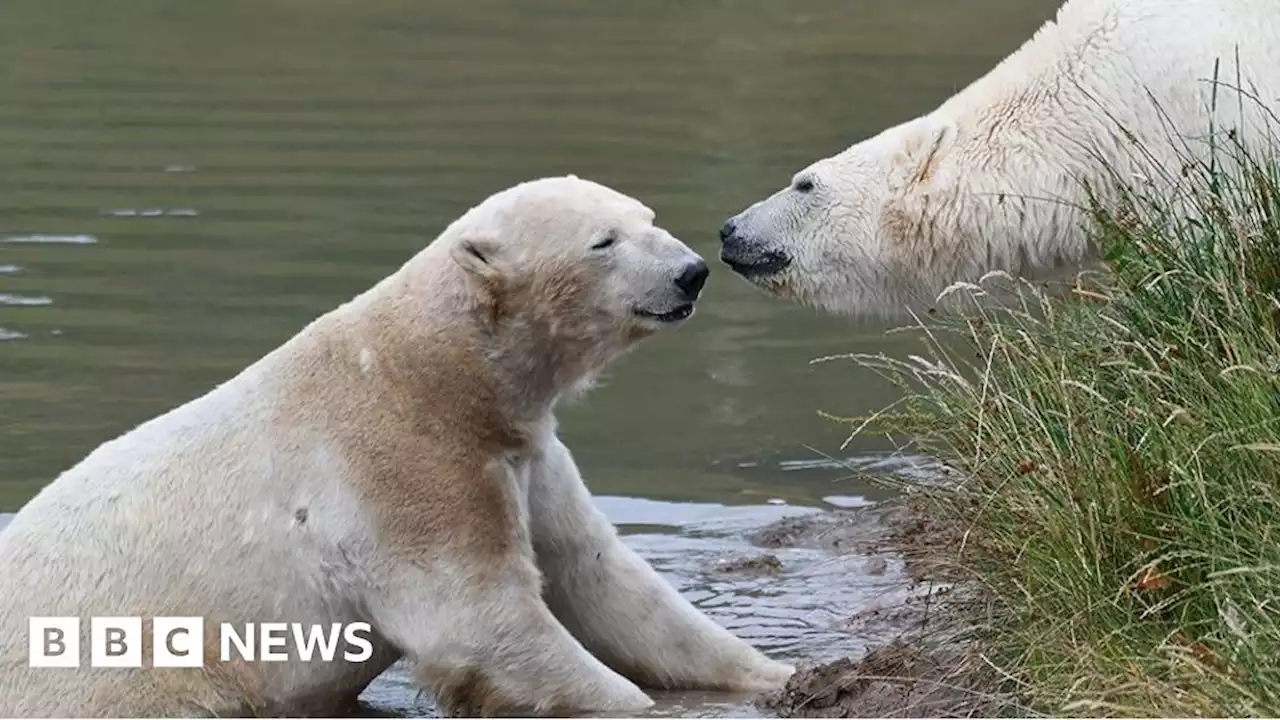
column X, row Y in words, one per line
column 994, row 179
column 395, row 463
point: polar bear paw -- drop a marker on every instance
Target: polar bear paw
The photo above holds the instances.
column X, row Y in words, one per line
column 769, row 675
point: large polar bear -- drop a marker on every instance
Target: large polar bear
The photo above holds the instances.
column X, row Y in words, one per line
column 994, row 178
column 394, row 463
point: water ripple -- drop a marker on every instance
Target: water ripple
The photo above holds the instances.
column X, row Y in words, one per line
column 25, row 300
column 51, row 239
column 153, row 212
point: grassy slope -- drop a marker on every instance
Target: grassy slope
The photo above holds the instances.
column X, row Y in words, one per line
column 1121, row 450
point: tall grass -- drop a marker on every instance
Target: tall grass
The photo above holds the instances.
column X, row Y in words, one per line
column 1120, row 450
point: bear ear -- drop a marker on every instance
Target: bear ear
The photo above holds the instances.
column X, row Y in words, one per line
column 478, row 255
column 927, row 149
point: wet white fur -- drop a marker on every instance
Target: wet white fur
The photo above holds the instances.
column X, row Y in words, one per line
column 196, row 511
column 993, row 178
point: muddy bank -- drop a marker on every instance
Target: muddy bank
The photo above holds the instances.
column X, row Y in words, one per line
column 930, row 666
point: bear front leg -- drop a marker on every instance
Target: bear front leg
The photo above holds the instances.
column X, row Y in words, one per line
column 485, row 643
column 618, row 606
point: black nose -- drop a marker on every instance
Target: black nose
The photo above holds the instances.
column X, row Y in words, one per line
column 692, row 278
column 727, row 230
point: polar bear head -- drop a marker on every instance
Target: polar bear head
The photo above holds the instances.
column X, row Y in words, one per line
column 944, row 198
column 568, row 262
column 849, row 233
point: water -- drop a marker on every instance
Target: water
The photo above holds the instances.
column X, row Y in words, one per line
column 184, row 186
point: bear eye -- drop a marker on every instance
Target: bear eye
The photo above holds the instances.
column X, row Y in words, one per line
column 804, row 186
column 609, row 239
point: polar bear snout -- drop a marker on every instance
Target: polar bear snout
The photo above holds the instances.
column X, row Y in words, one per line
column 675, row 300
column 662, row 276
column 691, row 280
column 749, row 257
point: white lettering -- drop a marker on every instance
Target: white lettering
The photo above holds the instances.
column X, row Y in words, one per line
column 269, row 641
column 243, row 643
column 316, row 637
column 349, row 633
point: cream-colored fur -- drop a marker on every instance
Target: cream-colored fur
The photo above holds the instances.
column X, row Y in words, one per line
column 396, row 462
column 994, row 178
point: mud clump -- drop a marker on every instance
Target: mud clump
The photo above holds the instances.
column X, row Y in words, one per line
column 875, row 566
column 766, row 564
column 893, row 680
column 904, row 529
column 839, row 531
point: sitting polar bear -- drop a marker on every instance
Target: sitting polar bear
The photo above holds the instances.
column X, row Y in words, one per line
column 394, row 463
column 994, row 179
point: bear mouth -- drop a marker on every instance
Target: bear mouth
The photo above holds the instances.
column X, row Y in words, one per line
column 763, row 265
column 674, row 315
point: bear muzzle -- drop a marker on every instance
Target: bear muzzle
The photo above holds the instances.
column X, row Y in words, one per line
column 748, row 258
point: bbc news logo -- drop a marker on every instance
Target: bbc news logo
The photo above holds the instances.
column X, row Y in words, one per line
column 178, row 642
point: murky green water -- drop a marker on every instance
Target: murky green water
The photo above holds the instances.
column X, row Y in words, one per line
column 184, row 185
